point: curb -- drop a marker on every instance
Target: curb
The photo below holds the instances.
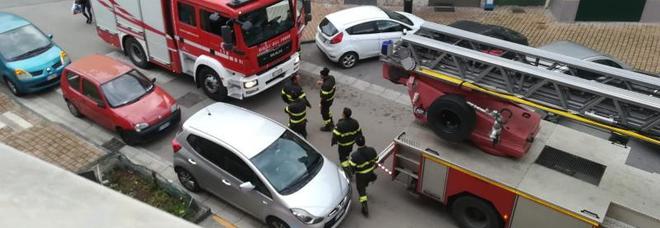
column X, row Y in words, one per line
column 311, row 69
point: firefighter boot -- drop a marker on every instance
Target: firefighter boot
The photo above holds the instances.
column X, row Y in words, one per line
column 365, row 209
column 328, row 127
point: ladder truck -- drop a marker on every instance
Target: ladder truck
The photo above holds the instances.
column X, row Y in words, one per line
column 231, row 48
column 561, row 177
column 493, row 100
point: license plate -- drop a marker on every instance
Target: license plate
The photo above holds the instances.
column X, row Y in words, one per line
column 277, row 72
column 51, row 76
column 165, row 125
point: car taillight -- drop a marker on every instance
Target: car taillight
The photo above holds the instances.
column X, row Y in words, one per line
column 337, row 38
column 175, row 146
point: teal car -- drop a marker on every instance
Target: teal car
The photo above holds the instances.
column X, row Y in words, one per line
column 29, row 60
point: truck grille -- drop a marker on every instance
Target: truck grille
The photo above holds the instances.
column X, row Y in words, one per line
column 274, row 54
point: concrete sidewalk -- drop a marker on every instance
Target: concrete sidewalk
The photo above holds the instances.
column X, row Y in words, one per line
column 636, row 44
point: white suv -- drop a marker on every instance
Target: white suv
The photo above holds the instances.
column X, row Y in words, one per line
column 261, row 167
column 357, row 33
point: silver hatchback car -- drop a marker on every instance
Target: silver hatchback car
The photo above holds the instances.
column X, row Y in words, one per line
column 261, row 167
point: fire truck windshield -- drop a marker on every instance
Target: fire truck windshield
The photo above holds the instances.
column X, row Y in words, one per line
column 265, row 23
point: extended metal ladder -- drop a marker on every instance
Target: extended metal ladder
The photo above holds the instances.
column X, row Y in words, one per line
column 621, row 101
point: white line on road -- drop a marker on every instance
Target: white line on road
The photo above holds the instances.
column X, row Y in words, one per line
column 22, row 123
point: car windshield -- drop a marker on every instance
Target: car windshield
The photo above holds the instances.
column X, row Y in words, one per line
column 289, row 163
column 398, row 17
column 23, row 42
column 267, row 22
column 127, row 88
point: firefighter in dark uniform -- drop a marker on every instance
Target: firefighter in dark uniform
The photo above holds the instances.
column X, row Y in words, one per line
column 344, row 135
column 297, row 112
column 363, row 162
column 327, row 83
column 292, row 87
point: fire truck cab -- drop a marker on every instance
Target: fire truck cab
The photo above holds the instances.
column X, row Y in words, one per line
column 232, row 48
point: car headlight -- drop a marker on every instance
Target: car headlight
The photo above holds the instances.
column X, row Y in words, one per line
column 64, row 57
column 174, row 108
column 250, row 84
column 296, row 60
column 141, row 126
column 22, row 74
column 305, row 216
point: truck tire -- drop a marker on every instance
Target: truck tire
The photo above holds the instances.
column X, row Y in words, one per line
column 135, row 52
column 212, row 84
column 472, row 212
column 452, row 118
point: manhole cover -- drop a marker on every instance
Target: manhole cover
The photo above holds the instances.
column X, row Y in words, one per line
column 113, row 145
column 190, row 99
column 517, row 10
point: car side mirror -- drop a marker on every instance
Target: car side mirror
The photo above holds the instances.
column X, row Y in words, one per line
column 307, row 6
column 246, row 186
column 50, row 36
column 100, row 104
column 405, row 32
column 153, row 80
column 227, row 37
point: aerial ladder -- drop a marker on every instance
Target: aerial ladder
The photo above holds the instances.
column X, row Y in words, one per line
column 438, row 59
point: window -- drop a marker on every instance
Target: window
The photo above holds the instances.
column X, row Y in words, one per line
column 227, row 161
column 90, row 91
column 209, row 150
column 608, row 62
column 74, row 80
column 364, row 28
column 186, row 14
column 327, row 28
column 397, row 16
column 212, row 21
column 389, row 26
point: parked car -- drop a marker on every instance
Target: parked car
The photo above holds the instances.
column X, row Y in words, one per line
column 118, row 97
column 349, row 35
column 261, row 167
column 581, row 52
column 495, row 31
column 29, row 60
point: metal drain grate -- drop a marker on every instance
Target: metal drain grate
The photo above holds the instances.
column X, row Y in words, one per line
column 113, row 145
column 569, row 164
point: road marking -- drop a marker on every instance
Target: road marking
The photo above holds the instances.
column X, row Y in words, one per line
column 223, row 222
column 59, row 91
column 22, row 123
column 2, row 125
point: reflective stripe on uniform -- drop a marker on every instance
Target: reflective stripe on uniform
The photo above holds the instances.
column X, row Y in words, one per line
column 347, row 143
column 336, row 132
column 295, row 113
column 326, row 122
column 367, row 170
column 363, row 199
column 297, row 121
column 328, row 92
column 345, row 164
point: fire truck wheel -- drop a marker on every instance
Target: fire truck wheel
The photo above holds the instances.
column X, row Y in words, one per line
column 452, row 118
column 348, row 60
column 472, row 212
column 136, row 53
column 212, row 84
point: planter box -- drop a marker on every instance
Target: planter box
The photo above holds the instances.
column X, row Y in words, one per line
column 119, row 173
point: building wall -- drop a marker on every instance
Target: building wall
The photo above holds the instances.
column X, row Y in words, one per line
column 564, row 10
column 651, row 12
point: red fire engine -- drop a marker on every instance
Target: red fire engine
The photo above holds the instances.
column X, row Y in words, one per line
column 232, row 48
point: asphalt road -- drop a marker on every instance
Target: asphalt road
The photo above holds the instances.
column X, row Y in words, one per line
column 381, row 120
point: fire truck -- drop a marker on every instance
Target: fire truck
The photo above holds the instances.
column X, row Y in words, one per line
column 546, row 174
column 464, row 92
column 232, row 48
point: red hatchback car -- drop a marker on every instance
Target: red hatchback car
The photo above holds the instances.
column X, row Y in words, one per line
column 118, row 97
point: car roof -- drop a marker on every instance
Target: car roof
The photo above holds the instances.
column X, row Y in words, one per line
column 571, row 49
column 342, row 18
column 247, row 132
column 10, row 21
column 99, row 68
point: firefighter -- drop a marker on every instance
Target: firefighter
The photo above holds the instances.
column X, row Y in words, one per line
column 327, row 83
column 344, row 135
column 363, row 162
column 292, row 87
column 297, row 115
